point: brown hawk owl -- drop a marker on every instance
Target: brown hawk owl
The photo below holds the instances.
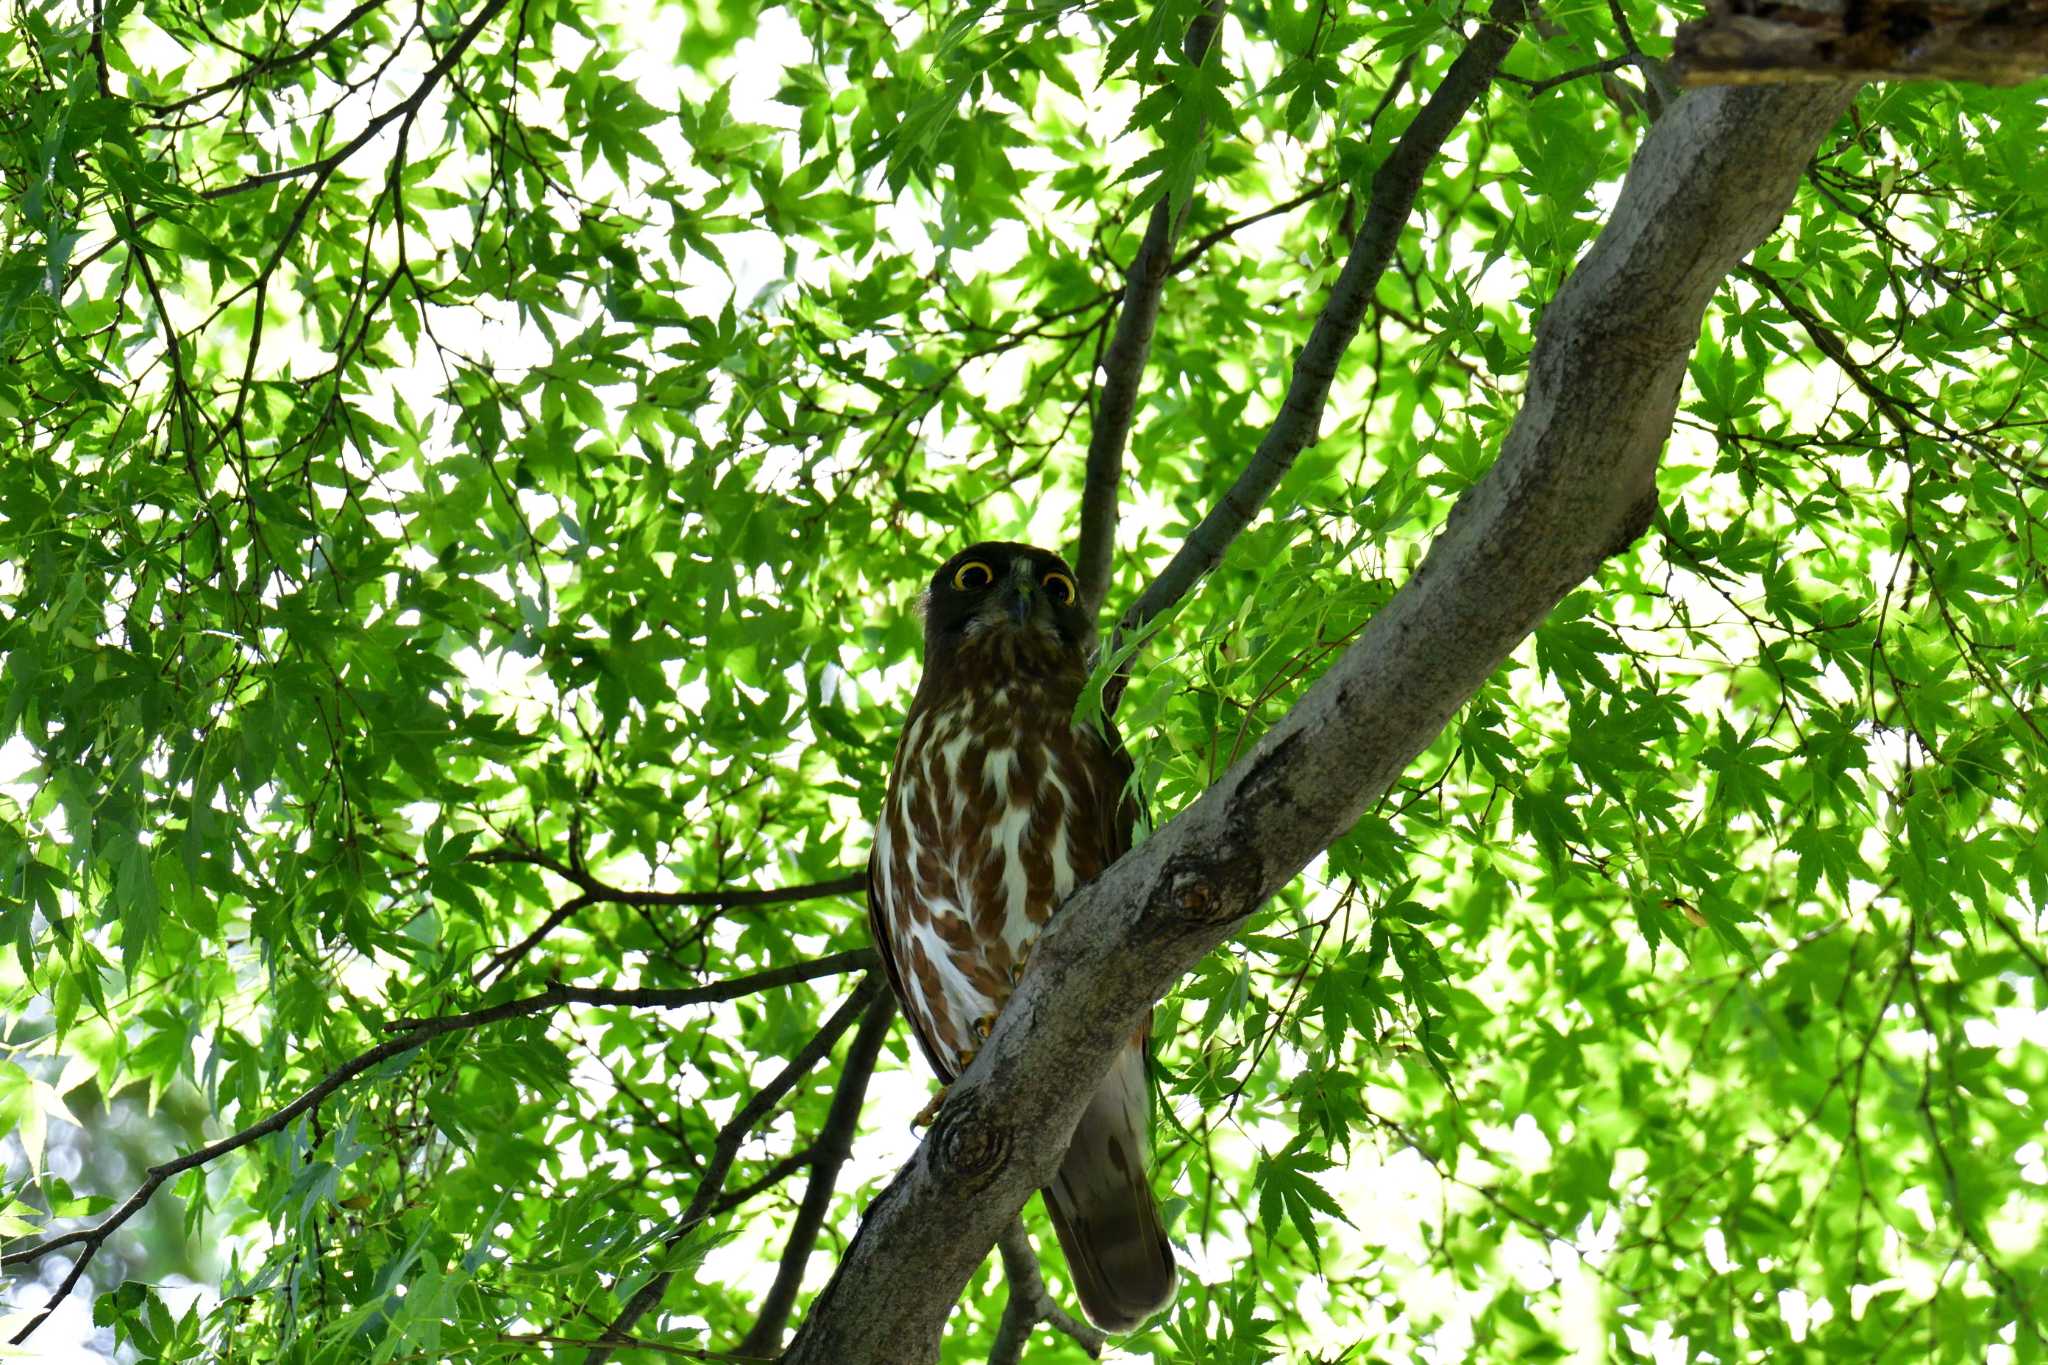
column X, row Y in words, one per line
column 998, row 807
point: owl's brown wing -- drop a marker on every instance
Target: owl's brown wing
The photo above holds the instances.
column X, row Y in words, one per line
column 878, row 930
column 1119, row 804
column 1102, row 1206
column 1101, row 1200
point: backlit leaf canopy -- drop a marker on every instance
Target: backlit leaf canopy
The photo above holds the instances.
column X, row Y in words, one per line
column 466, row 473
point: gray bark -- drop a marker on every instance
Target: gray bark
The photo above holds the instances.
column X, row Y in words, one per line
column 1575, row 483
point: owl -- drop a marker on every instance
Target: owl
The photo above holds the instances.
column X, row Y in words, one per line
column 998, row 807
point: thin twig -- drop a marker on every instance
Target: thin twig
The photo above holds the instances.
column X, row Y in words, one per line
column 592, row 891
column 406, row 108
column 1202, row 244
column 726, row 1148
column 780, row 1171
column 618, row 1340
column 311, row 48
column 1548, row 83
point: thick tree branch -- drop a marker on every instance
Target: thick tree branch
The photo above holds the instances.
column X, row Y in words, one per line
column 727, row 1146
column 1123, row 367
column 416, row 1033
column 1029, row 1304
column 1575, row 483
column 833, row 1147
column 1394, row 188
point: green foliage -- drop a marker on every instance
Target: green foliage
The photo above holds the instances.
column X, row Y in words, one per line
column 466, row 475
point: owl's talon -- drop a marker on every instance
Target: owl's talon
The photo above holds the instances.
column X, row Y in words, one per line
column 1022, row 961
column 931, row 1109
column 982, row 1028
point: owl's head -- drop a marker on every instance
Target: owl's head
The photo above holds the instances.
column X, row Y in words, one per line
column 1002, row 591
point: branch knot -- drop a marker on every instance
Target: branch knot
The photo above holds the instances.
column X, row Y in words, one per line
column 1200, row 891
column 968, row 1146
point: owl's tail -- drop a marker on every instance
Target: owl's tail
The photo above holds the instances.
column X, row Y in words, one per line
column 1102, row 1208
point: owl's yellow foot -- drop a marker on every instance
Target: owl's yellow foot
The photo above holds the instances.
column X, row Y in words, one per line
column 982, row 1028
column 931, row 1109
column 1022, row 961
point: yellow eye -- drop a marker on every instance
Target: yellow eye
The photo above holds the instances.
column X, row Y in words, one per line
column 1061, row 587
column 973, row 576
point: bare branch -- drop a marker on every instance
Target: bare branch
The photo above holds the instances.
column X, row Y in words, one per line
column 833, row 1147
column 1123, row 367
column 592, row 891
column 723, row 899
column 1394, row 187
column 1575, row 483
column 1029, row 1304
column 416, row 1033
column 1202, row 244
column 618, row 1341
column 736, row 898
column 727, row 1146
column 1599, row 68
column 776, row 1173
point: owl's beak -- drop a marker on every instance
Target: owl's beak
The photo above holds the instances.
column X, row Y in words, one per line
column 1020, row 599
